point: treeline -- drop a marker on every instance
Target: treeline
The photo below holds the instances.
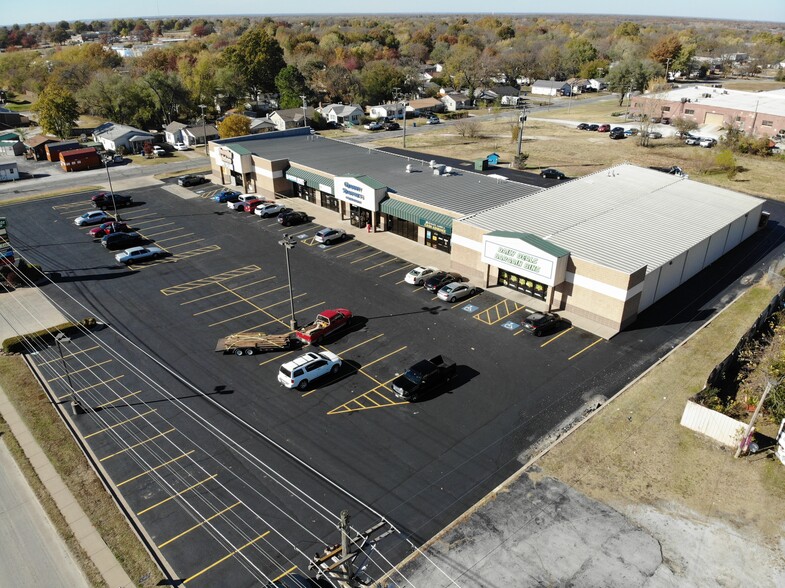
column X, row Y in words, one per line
column 364, row 60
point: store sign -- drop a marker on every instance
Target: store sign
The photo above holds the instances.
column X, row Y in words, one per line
column 433, row 226
column 357, row 193
column 295, row 179
column 518, row 261
column 523, row 258
column 227, row 156
column 325, row 188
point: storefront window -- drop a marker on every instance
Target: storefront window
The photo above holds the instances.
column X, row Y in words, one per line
column 359, row 216
column 305, row 193
column 521, row 284
column 437, row 240
column 329, row 201
column 402, row 227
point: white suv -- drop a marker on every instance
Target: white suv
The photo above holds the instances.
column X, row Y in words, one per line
column 238, row 205
column 303, row 370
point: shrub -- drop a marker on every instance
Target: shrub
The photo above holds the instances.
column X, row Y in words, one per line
column 19, row 343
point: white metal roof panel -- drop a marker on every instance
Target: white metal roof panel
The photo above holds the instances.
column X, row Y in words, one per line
column 623, row 218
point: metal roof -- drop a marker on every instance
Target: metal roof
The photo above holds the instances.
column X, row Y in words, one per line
column 768, row 102
column 624, row 218
column 461, row 192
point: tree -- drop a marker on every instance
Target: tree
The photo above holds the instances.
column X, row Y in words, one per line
column 256, row 58
column 234, row 125
column 57, row 111
column 291, row 85
column 579, row 51
column 666, row 50
column 379, row 79
column 684, row 125
column 726, row 161
column 169, row 92
column 628, row 76
column 465, row 68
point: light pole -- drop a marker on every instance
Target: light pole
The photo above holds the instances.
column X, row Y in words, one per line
column 76, row 405
column 521, row 121
column 288, row 243
column 204, row 129
column 111, row 190
column 305, row 112
column 403, row 102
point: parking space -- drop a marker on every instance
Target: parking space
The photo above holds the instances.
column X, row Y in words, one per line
column 193, row 439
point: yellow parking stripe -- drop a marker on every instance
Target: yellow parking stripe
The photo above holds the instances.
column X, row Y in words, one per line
column 367, row 257
column 91, row 386
column 202, row 282
column 173, row 496
column 286, row 573
column 120, row 424
column 361, row 248
column 367, row 365
column 72, row 372
column 240, row 299
column 381, row 264
column 357, row 404
column 281, row 319
column 360, row 344
column 135, row 445
column 105, row 404
column 158, row 467
column 177, row 237
column 360, row 370
column 195, row 252
column 552, row 339
column 222, row 292
column 70, row 205
column 207, row 520
column 66, row 356
column 344, row 242
column 146, row 229
column 224, row 558
column 278, row 356
column 398, row 269
column 498, row 311
column 585, row 349
column 257, row 309
column 184, row 244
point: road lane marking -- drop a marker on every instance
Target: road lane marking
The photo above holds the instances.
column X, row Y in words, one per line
column 258, row 309
column 360, row 344
column 105, row 404
column 121, row 423
column 367, row 257
column 350, row 252
column 397, row 269
column 184, row 244
column 177, row 237
column 144, row 473
column 174, row 230
column 355, row 403
column 286, row 573
column 173, row 496
column 278, row 357
column 72, row 372
column 381, row 264
column 498, row 311
column 196, row 526
column 222, row 292
column 281, row 319
column 585, row 349
column 135, row 445
column 227, row 556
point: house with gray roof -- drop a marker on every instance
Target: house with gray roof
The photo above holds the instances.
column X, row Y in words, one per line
column 550, row 88
column 113, row 136
column 456, row 101
column 290, row 118
column 342, row 114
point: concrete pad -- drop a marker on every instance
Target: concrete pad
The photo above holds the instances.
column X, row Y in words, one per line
column 26, row 310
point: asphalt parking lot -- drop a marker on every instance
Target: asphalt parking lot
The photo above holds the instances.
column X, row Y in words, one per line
column 239, row 480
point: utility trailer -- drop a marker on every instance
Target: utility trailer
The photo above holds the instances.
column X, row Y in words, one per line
column 249, row 343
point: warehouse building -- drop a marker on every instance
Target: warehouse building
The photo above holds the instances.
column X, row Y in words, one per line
column 602, row 248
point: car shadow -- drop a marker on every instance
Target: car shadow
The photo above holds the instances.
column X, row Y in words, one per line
column 463, row 375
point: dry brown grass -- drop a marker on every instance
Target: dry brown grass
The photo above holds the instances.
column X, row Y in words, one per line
column 578, row 153
column 635, row 450
column 50, row 433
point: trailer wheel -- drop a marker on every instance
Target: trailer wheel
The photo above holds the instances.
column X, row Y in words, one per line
column 249, row 351
column 238, row 352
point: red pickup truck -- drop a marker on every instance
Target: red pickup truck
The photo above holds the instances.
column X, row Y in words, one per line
column 327, row 321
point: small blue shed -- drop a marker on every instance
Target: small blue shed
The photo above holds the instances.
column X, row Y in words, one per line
column 493, row 158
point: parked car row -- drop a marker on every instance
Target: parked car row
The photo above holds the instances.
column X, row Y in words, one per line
column 378, row 125
column 449, row 286
column 263, row 208
column 696, row 141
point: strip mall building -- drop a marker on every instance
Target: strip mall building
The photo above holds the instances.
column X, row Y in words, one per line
column 603, row 247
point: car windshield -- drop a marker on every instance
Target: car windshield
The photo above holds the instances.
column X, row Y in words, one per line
column 413, row 376
column 537, row 319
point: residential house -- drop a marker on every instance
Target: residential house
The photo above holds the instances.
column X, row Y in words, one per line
column 290, row 118
column 342, row 113
column 550, row 88
column 394, row 110
column 579, row 85
column 456, row 101
column 199, row 134
column 262, row 125
column 9, row 171
column 10, row 119
column 598, row 84
column 495, row 94
column 114, row 136
column 9, row 142
column 424, row 105
column 173, row 132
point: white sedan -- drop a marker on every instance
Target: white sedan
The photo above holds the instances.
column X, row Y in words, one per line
column 418, row 275
column 92, row 218
column 134, row 254
column 181, row 147
column 271, row 209
column 456, row 291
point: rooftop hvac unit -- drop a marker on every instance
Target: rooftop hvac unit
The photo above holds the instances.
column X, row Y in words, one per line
column 432, row 163
column 438, row 170
column 408, row 168
column 448, row 170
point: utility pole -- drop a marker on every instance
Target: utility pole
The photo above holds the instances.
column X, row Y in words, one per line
column 204, row 129
column 667, row 67
column 76, row 405
column 305, row 112
column 337, row 562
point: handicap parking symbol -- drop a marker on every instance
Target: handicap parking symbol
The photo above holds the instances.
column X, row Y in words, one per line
column 302, row 236
column 511, row 326
column 470, row 308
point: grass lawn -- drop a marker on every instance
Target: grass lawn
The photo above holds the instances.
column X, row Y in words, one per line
column 635, row 451
column 578, row 153
column 45, row 424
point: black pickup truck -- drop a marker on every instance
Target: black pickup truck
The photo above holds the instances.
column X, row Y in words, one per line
column 423, row 377
column 103, row 200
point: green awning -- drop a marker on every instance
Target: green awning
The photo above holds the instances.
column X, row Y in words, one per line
column 417, row 214
column 311, row 179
